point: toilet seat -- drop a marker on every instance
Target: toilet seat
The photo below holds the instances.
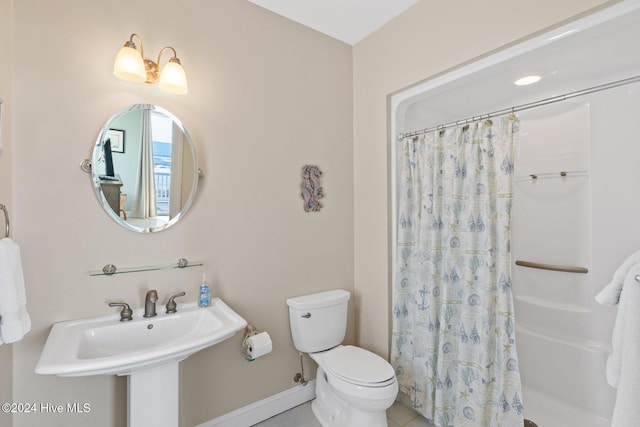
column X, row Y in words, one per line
column 357, row 366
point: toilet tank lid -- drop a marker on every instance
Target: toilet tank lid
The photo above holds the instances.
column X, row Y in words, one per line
column 321, row 299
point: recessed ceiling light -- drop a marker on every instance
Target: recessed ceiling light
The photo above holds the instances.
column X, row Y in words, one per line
column 527, row 80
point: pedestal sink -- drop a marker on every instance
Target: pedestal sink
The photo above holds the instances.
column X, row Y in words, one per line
column 147, row 350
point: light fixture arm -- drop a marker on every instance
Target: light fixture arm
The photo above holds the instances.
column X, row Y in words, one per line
column 174, row 58
column 132, row 44
column 153, row 68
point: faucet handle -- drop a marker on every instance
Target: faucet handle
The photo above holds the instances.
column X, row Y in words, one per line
column 171, row 305
column 126, row 313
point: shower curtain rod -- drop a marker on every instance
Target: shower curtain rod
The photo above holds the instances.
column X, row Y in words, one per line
column 523, row 107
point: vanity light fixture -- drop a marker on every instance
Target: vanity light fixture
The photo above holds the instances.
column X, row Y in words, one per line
column 131, row 65
column 527, row 80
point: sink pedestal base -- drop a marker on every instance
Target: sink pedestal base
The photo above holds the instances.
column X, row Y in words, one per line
column 153, row 396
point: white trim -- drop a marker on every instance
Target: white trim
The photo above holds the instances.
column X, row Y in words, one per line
column 265, row 408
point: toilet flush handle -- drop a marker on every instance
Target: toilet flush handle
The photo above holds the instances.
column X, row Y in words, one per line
column 306, row 315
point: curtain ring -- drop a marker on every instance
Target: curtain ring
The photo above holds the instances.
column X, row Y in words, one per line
column 488, row 121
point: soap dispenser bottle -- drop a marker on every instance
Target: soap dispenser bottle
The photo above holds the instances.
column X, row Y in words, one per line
column 205, row 293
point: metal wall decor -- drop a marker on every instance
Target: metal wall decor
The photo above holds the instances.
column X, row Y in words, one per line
column 311, row 191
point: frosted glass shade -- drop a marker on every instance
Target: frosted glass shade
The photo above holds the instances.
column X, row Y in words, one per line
column 129, row 65
column 173, row 78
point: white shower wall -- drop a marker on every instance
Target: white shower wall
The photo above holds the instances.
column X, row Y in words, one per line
column 563, row 335
column 552, row 224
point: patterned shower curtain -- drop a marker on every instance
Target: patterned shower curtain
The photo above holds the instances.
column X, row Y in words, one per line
column 453, row 337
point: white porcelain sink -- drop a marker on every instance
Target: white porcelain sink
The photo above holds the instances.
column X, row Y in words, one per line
column 104, row 345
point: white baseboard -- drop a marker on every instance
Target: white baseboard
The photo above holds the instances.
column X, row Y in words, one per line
column 265, row 408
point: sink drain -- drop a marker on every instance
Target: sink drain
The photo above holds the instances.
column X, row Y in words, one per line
column 529, row 423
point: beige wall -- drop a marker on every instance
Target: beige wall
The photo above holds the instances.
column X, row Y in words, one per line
column 267, row 96
column 428, row 39
column 6, row 353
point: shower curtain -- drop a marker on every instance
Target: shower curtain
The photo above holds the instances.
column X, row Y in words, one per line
column 453, row 333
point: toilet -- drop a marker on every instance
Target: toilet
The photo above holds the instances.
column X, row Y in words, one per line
column 354, row 387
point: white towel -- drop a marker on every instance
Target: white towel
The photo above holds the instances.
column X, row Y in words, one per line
column 14, row 319
column 623, row 366
column 610, row 294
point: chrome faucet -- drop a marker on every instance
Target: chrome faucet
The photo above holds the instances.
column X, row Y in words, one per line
column 150, row 303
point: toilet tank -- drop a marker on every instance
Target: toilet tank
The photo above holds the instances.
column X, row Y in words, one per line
column 318, row 321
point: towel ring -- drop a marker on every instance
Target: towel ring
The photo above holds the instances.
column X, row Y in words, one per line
column 6, row 220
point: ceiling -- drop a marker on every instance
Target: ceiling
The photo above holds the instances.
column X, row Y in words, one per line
column 346, row 20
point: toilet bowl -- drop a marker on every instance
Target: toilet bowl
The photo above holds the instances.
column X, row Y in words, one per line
column 354, row 387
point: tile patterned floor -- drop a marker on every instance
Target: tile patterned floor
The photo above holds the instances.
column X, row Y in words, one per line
column 398, row 415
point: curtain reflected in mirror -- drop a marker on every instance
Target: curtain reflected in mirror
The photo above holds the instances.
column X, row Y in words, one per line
column 144, row 197
column 154, row 168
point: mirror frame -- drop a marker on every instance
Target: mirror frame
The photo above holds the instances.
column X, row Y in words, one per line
column 96, row 179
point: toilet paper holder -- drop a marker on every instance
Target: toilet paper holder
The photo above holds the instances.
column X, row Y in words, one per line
column 249, row 331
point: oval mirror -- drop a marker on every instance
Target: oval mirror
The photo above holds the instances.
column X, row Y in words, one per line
column 144, row 168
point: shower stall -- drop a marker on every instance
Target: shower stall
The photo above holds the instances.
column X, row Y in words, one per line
column 575, row 201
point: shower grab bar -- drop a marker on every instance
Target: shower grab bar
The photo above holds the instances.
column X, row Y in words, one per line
column 6, row 220
column 553, row 267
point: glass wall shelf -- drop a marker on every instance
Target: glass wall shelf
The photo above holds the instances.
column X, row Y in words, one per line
column 110, row 269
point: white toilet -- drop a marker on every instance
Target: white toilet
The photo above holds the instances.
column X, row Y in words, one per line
column 354, row 387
